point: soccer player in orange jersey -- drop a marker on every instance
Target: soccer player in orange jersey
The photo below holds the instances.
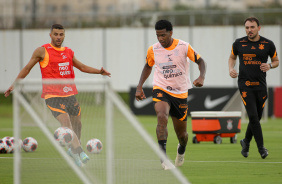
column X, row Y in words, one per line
column 253, row 51
column 57, row 62
column 170, row 85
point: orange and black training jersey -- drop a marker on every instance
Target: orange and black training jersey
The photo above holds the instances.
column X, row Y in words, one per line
column 251, row 56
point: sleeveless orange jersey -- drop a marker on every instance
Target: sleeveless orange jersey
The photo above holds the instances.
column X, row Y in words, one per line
column 172, row 67
column 57, row 64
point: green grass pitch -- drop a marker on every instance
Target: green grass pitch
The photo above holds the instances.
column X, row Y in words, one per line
column 205, row 163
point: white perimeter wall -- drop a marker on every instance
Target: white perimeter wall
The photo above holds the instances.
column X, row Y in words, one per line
column 122, row 51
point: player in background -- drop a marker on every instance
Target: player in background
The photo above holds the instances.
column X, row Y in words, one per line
column 56, row 62
column 170, row 85
column 253, row 51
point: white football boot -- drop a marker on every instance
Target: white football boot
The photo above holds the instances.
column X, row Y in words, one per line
column 167, row 165
column 179, row 158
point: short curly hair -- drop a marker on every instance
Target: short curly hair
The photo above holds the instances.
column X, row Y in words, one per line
column 163, row 24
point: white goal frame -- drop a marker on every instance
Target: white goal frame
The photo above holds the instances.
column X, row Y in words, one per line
column 111, row 99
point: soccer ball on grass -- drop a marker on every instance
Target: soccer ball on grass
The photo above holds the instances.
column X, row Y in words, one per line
column 20, row 143
column 9, row 147
column 29, row 144
column 64, row 136
column 94, row 146
column 3, row 146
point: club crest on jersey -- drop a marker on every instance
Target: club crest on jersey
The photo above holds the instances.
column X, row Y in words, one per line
column 63, row 56
column 261, row 46
column 229, row 124
column 168, row 56
column 67, row 89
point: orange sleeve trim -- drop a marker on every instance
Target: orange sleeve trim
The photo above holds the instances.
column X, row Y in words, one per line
column 54, row 109
column 150, row 59
column 243, row 100
column 275, row 54
column 182, row 95
column 45, row 61
column 232, row 51
column 191, row 54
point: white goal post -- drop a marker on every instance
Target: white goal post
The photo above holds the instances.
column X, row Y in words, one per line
column 129, row 155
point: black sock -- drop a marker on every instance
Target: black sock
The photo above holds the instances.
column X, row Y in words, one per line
column 162, row 144
column 181, row 149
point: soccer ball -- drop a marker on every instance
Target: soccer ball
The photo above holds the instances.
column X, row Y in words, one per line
column 29, row 144
column 6, row 138
column 9, row 147
column 64, row 136
column 94, row 146
column 2, row 146
column 20, row 143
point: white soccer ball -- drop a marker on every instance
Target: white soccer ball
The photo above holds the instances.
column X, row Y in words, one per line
column 6, row 138
column 94, row 146
column 29, row 144
column 9, row 146
column 3, row 146
column 64, row 136
column 20, row 143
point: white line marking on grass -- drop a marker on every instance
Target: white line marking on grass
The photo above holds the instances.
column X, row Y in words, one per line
column 29, row 158
column 241, row 162
column 237, row 162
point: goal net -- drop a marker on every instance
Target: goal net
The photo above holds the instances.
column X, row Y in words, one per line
column 129, row 153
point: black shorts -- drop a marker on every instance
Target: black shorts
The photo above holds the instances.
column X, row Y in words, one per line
column 178, row 106
column 61, row 105
column 254, row 101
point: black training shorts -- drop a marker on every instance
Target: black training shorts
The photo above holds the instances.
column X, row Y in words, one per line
column 60, row 105
column 178, row 106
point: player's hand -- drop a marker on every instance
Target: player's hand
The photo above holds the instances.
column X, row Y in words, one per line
column 139, row 95
column 105, row 72
column 199, row 82
column 8, row 92
column 264, row 67
column 233, row 73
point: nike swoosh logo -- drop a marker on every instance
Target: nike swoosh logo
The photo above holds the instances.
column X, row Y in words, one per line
column 142, row 103
column 209, row 104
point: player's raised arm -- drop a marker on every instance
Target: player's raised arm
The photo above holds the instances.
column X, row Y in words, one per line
column 139, row 95
column 37, row 56
column 87, row 69
column 199, row 82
